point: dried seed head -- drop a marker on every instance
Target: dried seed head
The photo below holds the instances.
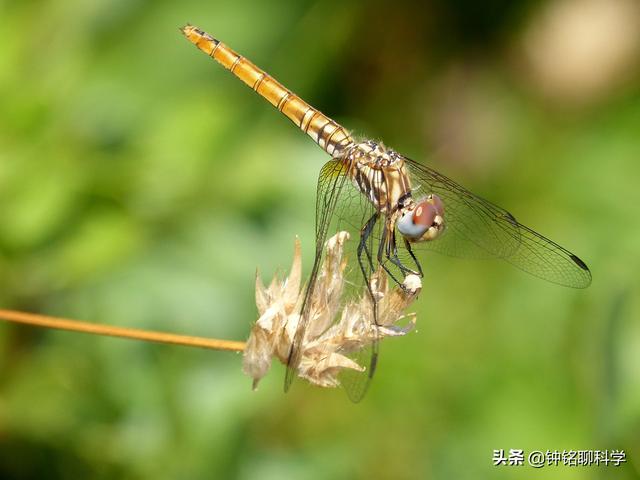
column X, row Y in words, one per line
column 336, row 327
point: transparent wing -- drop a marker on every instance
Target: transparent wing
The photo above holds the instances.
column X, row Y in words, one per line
column 339, row 207
column 477, row 228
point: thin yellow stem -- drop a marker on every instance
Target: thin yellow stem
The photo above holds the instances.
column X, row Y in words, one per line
column 111, row 331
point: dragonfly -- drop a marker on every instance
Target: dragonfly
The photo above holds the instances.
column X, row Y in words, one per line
column 395, row 209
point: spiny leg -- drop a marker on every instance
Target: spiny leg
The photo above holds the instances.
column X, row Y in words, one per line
column 384, row 255
column 362, row 246
column 364, row 238
column 392, row 254
column 407, row 245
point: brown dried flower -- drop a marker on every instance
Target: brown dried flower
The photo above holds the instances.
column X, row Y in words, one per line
column 336, row 327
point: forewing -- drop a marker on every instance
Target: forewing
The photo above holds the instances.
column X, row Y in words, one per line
column 339, row 207
column 477, row 228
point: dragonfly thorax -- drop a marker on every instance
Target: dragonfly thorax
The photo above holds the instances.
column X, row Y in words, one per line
column 380, row 174
column 374, row 153
column 422, row 220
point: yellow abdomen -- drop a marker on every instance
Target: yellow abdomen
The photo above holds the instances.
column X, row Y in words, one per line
column 328, row 134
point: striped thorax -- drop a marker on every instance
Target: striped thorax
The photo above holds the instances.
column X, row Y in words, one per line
column 380, row 174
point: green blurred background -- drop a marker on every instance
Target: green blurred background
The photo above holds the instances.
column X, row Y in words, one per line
column 141, row 185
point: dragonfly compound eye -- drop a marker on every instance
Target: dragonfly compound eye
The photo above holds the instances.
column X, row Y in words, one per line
column 423, row 221
column 437, row 203
column 424, row 214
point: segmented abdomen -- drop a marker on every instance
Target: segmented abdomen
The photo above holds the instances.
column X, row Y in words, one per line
column 330, row 136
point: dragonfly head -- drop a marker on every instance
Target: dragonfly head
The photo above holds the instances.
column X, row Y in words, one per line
column 422, row 220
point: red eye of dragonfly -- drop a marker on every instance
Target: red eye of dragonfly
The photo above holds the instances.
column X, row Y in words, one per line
column 422, row 221
column 424, row 214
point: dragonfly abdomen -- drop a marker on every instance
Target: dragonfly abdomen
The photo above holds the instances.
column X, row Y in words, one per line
column 328, row 134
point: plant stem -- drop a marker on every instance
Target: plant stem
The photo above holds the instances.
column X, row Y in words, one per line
column 108, row 330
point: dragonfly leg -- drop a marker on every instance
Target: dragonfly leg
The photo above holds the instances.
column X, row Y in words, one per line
column 364, row 238
column 384, row 255
column 394, row 258
column 365, row 233
column 407, row 245
column 391, row 254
